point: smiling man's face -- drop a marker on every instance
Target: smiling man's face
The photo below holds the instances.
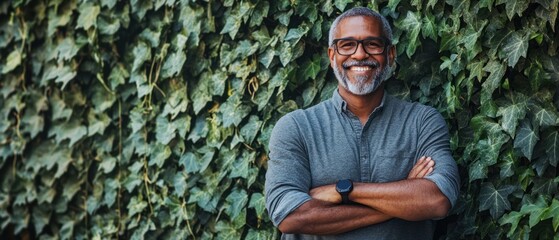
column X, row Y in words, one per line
column 360, row 73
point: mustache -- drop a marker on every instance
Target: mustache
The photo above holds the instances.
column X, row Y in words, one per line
column 351, row 63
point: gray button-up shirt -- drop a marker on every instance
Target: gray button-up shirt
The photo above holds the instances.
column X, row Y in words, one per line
column 325, row 143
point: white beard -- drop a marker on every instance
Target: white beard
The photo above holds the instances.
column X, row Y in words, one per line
column 363, row 85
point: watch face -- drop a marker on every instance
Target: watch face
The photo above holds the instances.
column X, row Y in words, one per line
column 344, row 185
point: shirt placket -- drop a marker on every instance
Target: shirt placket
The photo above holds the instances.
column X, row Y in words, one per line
column 364, row 161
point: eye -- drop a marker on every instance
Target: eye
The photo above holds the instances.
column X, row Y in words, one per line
column 374, row 44
column 347, row 44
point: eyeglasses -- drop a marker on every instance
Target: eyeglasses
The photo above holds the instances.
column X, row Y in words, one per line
column 372, row 45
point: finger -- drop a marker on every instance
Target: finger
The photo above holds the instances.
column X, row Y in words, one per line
column 427, row 169
column 417, row 168
column 414, row 170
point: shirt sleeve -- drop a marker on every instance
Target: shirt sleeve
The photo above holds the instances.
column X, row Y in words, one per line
column 434, row 141
column 288, row 178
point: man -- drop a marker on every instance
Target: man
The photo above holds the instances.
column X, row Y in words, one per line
column 362, row 165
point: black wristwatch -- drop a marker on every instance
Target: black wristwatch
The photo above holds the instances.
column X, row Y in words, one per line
column 344, row 187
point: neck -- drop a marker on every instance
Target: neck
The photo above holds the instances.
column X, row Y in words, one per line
column 362, row 105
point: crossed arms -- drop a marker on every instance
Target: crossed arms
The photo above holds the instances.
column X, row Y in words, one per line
column 411, row 199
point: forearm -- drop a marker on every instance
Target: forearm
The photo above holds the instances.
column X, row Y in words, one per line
column 410, row 199
column 323, row 218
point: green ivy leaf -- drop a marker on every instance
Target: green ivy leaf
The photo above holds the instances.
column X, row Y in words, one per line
column 164, row 131
column 258, row 202
column 535, row 210
column 97, row 123
column 525, row 177
column 226, row 230
column 451, row 96
column 33, row 122
column 286, row 53
column 545, row 187
column 267, row 57
column 141, row 53
column 195, row 163
column 202, row 199
column 513, row 218
column 312, row 67
column 459, row 6
column 233, row 111
column 507, row 166
column 308, row 95
column 552, row 212
column 429, row 26
column 515, row 47
column 60, row 73
column 136, row 205
column 237, row 200
column 526, row 139
column 159, row 154
column 429, row 83
column 232, row 23
column 496, row 200
column 111, row 188
column 551, row 144
column 140, row 7
column 218, row 82
column 295, row 34
column 251, row 129
column 72, row 130
column 341, row 4
column 41, row 217
column 411, row 23
column 71, row 188
column 200, row 96
column 180, row 184
column 13, row 60
column 497, row 72
column 514, row 7
column 88, row 15
column 67, row 229
column 490, row 149
column 511, row 114
column 258, row 235
column 173, row 64
column 486, row 3
column 260, row 12
column 545, row 117
column 67, row 49
column 107, row 164
column 176, row 103
column 200, row 130
column 46, row 195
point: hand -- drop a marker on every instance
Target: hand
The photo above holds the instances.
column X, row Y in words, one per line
column 326, row 193
column 422, row 168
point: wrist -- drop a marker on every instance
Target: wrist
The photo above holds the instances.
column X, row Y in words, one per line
column 344, row 188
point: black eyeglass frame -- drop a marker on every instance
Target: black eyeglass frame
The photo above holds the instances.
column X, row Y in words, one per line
column 384, row 40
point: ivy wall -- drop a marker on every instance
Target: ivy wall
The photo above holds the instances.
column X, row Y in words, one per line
column 150, row 119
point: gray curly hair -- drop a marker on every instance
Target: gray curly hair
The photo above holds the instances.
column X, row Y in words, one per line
column 360, row 11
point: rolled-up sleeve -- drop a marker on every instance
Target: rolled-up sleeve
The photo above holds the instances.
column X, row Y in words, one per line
column 288, row 177
column 434, row 141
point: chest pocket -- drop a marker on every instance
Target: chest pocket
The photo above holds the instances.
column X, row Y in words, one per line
column 392, row 166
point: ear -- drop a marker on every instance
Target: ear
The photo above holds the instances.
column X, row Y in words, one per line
column 331, row 55
column 391, row 55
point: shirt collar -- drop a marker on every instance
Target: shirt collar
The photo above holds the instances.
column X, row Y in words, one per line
column 341, row 105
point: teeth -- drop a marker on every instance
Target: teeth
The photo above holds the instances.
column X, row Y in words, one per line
column 360, row 69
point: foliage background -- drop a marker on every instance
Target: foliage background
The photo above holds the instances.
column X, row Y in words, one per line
column 150, row 119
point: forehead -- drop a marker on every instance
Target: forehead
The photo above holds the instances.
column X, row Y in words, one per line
column 359, row 27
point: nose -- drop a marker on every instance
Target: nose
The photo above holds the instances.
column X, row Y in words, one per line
column 360, row 53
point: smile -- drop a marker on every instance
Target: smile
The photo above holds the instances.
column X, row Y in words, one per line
column 361, row 69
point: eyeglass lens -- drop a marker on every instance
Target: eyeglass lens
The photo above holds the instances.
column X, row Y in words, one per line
column 349, row 46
